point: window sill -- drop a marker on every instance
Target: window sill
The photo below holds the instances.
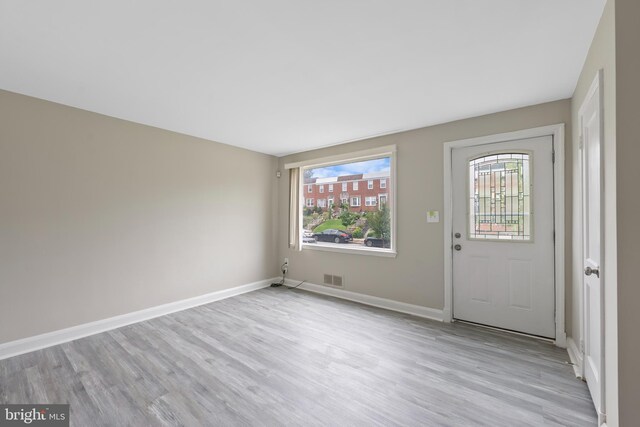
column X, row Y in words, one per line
column 354, row 251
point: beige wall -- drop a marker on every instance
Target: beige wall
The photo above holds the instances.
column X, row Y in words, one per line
column 627, row 17
column 601, row 57
column 416, row 276
column 100, row 217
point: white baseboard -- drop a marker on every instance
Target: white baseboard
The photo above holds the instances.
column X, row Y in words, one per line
column 37, row 342
column 402, row 307
column 575, row 355
column 561, row 340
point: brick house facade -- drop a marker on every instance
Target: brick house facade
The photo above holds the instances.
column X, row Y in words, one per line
column 362, row 192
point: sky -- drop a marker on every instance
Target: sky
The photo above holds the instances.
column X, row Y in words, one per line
column 368, row 166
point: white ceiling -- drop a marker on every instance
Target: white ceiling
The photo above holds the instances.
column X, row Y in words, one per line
column 283, row 76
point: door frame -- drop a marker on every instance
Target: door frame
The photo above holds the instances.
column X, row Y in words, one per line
column 556, row 131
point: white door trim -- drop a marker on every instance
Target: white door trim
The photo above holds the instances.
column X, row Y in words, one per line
column 557, row 132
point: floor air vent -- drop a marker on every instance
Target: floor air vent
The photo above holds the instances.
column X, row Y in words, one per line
column 332, row 280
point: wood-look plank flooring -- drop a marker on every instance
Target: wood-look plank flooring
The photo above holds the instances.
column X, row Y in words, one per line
column 278, row 357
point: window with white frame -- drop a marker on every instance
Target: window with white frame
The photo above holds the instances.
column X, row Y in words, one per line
column 361, row 222
column 309, row 188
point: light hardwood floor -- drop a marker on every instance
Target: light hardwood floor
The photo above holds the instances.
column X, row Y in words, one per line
column 278, row 357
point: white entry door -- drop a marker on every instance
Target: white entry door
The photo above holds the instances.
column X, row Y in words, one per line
column 591, row 138
column 503, row 235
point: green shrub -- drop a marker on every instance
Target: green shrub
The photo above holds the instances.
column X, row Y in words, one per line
column 357, row 233
column 380, row 222
column 348, row 218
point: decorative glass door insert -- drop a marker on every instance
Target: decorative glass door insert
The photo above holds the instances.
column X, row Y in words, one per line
column 500, row 197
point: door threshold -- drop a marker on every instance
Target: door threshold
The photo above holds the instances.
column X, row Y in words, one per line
column 510, row 331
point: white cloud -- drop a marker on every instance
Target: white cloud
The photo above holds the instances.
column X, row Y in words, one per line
column 368, row 166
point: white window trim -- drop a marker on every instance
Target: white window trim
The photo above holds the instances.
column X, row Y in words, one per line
column 354, row 251
column 383, row 183
column 309, row 188
column 370, row 154
column 345, row 187
column 330, row 188
column 369, row 184
column 355, row 186
column 359, row 201
column 371, row 201
column 373, row 153
column 306, row 202
column 321, row 188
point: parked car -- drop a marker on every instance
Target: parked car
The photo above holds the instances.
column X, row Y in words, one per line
column 333, row 235
column 376, row 242
column 308, row 239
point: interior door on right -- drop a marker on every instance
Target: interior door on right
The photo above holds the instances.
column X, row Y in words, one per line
column 591, row 134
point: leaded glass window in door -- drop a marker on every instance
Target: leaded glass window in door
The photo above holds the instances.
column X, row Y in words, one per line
column 499, row 192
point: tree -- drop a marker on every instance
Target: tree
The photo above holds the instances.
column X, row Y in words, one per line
column 380, row 222
column 334, row 210
column 348, row 218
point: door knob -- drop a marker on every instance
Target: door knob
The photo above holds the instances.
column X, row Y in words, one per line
column 457, row 247
column 588, row 271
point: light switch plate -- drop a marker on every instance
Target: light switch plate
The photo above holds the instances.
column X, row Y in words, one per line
column 433, row 216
